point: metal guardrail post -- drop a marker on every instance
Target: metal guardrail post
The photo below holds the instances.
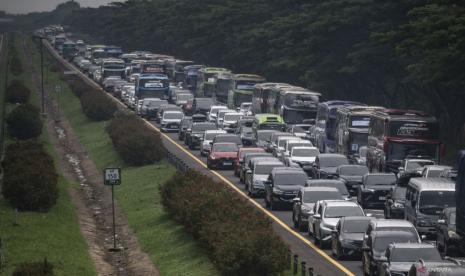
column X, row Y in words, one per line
column 296, row 263
column 303, row 269
column 289, row 259
column 310, row 271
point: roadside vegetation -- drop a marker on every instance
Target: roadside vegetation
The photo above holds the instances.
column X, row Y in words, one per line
column 39, row 227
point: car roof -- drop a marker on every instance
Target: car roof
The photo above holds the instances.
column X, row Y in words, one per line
column 356, row 218
column 391, row 233
column 228, row 135
column 304, row 147
column 215, row 131
column 287, row 170
column 269, row 162
column 225, row 144
column 412, row 245
column 432, row 184
column 172, row 111
column 330, row 155
column 340, row 203
column 437, row 167
column 324, row 181
column 251, row 150
column 320, row 189
column 391, row 222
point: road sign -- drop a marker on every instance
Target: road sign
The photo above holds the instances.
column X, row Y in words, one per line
column 112, row 176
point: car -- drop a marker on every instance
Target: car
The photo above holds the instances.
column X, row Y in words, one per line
column 395, row 203
column 109, row 82
column 231, row 138
column 245, row 108
column 374, row 189
column 303, row 156
column 245, row 163
column 352, row 176
column 447, row 239
column 240, row 157
column 399, row 257
column 220, row 116
column 414, row 163
column 305, row 201
column 202, row 105
column 258, row 174
column 262, row 137
column 245, row 121
column 375, row 245
column 281, row 143
column 326, row 164
column 229, row 122
column 222, row 155
column 447, row 267
column 289, row 144
column 282, row 186
column 334, row 183
column 183, row 98
column 166, row 107
column 144, row 104
column 213, row 113
column 186, row 123
column 273, row 143
column 207, row 141
column 360, row 158
column 325, row 221
column 347, row 237
column 194, row 135
column 199, row 118
column 434, row 170
column 300, row 130
column 171, row 121
column 246, row 135
column 187, row 108
column 391, row 225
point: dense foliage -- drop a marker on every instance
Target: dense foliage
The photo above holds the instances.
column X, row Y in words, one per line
column 392, row 53
column 24, row 122
column 239, row 239
column 44, row 268
column 17, row 92
column 30, row 179
column 95, row 104
column 134, row 141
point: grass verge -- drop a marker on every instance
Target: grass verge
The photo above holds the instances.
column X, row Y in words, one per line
column 55, row 235
column 171, row 249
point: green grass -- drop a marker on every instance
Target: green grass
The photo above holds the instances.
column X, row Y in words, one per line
column 54, row 235
column 171, row 249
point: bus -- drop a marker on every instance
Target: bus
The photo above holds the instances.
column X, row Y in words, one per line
column 224, row 82
column 242, row 89
column 69, row 49
column 112, row 51
column 261, row 96
column 152, row 85
column 325, row 124
column 395, row 134
column 267, row 121
column 113, row 67
column 175, row 69
column 191, row 76
column 58, row 42
column 206, row 81
column 153, row 67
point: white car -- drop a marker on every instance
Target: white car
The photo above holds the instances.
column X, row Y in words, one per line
column 208, row 137
column 303, row 156
column 230, row 121
column 277, row 151
column 245, row 108
column 213, row 113
column 171, row 120
column 220, row 116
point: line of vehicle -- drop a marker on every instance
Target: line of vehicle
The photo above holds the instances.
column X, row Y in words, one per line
column 225, row 180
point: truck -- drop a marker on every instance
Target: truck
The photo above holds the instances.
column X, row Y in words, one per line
column 152, row 85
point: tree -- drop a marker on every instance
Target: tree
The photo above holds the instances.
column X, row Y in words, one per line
column 24, row 122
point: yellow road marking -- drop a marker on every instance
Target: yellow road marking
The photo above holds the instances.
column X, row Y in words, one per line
column 225, row 180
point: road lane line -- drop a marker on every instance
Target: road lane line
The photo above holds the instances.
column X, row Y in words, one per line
column 225, row 180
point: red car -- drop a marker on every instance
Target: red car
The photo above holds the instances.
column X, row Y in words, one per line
column 222, row 155
column 240, row 157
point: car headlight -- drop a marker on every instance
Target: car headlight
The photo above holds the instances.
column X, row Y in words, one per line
column 423, row 222
column 398, row 205
column 453, row 234
column 369, row 190
column 212, row 157
column 306, row 210
column 277, row 191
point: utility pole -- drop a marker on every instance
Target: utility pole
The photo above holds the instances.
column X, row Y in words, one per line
column 4, row 94
column 42, row 74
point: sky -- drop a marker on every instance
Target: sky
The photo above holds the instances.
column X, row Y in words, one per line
column 25, row 6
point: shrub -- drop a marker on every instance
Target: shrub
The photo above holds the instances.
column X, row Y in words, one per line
column 34, row 269
column 24, row 122
column 17, row 92
column 15, row 64
column 97, row 106
column 239, row 239
column 30, row 180
column 134, row 141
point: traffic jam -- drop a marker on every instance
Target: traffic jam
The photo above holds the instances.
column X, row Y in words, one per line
column 364, row 183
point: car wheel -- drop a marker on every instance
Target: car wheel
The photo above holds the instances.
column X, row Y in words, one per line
column 300, row 225
column 386, row 216
column 339, row 252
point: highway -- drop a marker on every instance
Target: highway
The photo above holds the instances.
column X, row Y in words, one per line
column 300, row 243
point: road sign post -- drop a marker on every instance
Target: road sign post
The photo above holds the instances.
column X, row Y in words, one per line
column 112, row 177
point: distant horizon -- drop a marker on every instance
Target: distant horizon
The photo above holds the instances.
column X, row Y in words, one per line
column 28, row 6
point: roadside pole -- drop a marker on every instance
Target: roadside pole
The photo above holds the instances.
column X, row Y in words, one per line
column 4, row 49
column 112, row 177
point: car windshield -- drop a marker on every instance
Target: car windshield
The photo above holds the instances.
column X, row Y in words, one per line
column 353, row 170
column 232, row 117
column 399, row 192
column 225, row 148
column 300, row 128
column 265, row 168
column 314, row 196
column 434, row 173
column 355, row 226
column 246, row 131
column 282, row 142
column 174, row 115
column 264, row 135
column 228, row 139
column 333, row 161
column 373, row 180
column 302, row 152
column 411, row 165
column 412, row 255
column 210, row 136
column 291, row 179
column 184, row 97
column 343, row 211
column 186, row 122
column 380, row 243
column 363, row 152
column 203, row 104
column 433, row 202
column 203, row 127
column 398, row 151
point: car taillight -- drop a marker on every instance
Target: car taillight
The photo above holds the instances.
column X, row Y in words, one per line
column 386, row 145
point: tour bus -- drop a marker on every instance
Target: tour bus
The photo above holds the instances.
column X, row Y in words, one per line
column 152, row 85
column 191, row 76
column 267, row 121
column 425, row 199
column 97, row 53
column 175, row 69
column 206, row 81
column 58, row 42
column 153, row 67
column 128, row 58
column 325, row 124
column 242, row 88
column 262, row 101
column 224, row 82
column 296, row 104
column 113, row 51
column 395, row 134
column 69, row 49
column 113, row 67
column 352, row 124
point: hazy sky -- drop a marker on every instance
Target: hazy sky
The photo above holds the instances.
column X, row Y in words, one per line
column 25, row 6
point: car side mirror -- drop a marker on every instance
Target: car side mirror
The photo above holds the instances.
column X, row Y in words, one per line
column 317, row 216
column 441, row 221
column 189, row 129
column 296, row 199
column 334, row 231
column 383, row 259
column 423, row 237
column 401, row 169
column 369, row 214
column 248, row 172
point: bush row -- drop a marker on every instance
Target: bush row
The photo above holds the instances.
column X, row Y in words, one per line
column 30, row 179
column 95, row 104
column 17, row 92
column 44, row 268
column 24, row 122
column 240, row 240
column 133, row 140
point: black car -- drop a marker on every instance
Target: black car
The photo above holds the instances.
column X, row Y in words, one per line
column 326, row 164
column 198, row 118
column 194, row 135
column 227, row 138
column 262, row 138
column 202, row 105
column 151, row 108
column 395, row 203
column 246, row 135
column 374, row 189
column 447, row 238
column 347, row 237
column 399, row 257
column 283, row 185
column 245, row 162
column 333, row 183
column 375, row 245
column 352, row 175
column 186, row 123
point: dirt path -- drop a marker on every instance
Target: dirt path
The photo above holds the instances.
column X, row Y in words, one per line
column 91, row 198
